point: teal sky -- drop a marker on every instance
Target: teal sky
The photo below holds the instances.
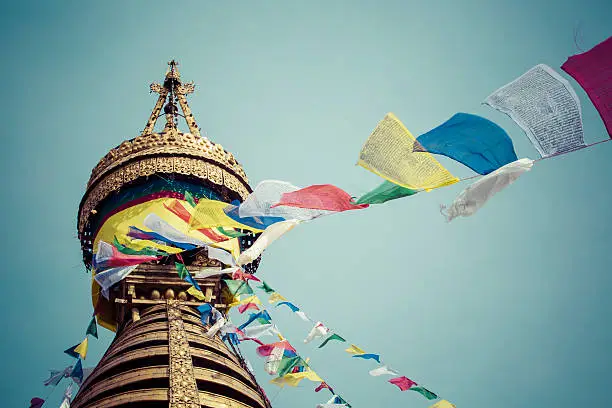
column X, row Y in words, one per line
column 508, row 308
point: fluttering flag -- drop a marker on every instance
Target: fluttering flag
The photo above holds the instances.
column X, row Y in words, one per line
column 368, row 356
column 239, row 274
column 107, row 256
column 260, row 330
column 271, row 234
column 256, row 316
column 256, row 224
column 287, row 364
column 158, row 225
column 247, row 306
column 81, row 349
column 36, row 402
column 189, row 198
column 319, row 330
column 323, row 385
column 320, row 197
column 293, row 379
column 55, row 376
column 593, row 71
column 77, row 372
column 478, row 193
column 198, row 294
column 269, row 192
column 302, row 316
column 331, row 405
column 112, row 276
column 221, row 255
column 389, row 152
column 424, row 392
column 355, row 350
column 273, row 361
column 212, row 330
column 213, row 214
column 266, row 288
column 402, row 382
column 443, row 404
column 205, row 312
column 265, row 349
column 92, row 328
column 238, row 287
column 383, row 370
column 472, row 140
column 290, row 305
column 137, row 233
column 230, row 232
column 545, row 106
column 212, row 271
column 332, row 337
column 387, row 191
column 147, row 251
column 181, row 269
column 67, row 397
column 275, row 297
column 189, row 279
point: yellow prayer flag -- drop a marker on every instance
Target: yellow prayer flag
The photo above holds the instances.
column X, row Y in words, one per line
column 354, row 350
column 196, row 293
column 443, row 404
column 251, row 299
column 293, row 379
column 276, row 297
column 81, row 349
column 210, row 214
column 394, row 154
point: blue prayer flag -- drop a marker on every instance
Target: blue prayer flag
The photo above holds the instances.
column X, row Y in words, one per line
column 368, row 357
column 290, row 305
column 472, row 140
column 77, row 372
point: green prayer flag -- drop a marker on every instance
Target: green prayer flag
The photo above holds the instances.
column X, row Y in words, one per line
column 189, row 198
column 287, row 364
column 238, row 287
column 129, row 251
column 424, row 392
column 230, row 233
column 385, row 192
column 266, row 288
column 182, row 270
column 92, row 328
column 332, row 337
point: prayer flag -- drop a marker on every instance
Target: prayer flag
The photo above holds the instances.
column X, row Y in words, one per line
column 424, row 392
column 403, row 383
column 112, row 276
column 238, row 287
column 354, row 350
column 36, row 402
column 320, row 197
column 160, row 226
column 302, row 316
column 389, row 152
column 92, row 328
column 271, row 234
column 478, row 193
column 273, row 361
column 290, row 305
column 266, row 349
column 443, row 404
column 230, row 232
column 67, row 396
column 266, row 288
column 189, row 198
column 56, row 376
column 332, row 337
column 275, row 297
column 107, row 256
column 384, row 370
column 387, row 191
column 368, row 356
column 239, row 274
column 269, row 192
column 147, row 251
column 472, row 140
column 323, row 385
column 81, row 349
column 212, row 214
column 593, row 71
column 181, row 269
column 205, row 312
column 77, row 372
column 293, row 379
column 247, row 306
column 545, row 106
column 261, row 330
column 287, row 364
column 216, row 327
column 319, row 330
column 198, row 294
column 189, row 279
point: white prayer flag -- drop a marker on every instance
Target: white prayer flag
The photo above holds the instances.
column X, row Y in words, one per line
column 271, row 234
column 261, row 330
column 384, row 370
column 319, row 330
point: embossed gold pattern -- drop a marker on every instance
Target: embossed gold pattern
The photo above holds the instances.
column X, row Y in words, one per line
column 183, row 392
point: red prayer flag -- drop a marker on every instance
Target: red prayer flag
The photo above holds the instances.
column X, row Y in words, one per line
column 593, row 71
column 402, row 382
column 265, row 349
column 320, row 197
column 176, row 208
column 240, row 275
column 321, row 386
column 247, row 306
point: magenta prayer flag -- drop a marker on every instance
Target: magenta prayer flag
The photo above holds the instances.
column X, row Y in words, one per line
column 265, row 349
column 402, row 382
column 320, row 197
column 36, row 402
column 593, row 71
column 321, row 386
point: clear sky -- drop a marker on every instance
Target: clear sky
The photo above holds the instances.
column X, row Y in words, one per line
column 509, row 308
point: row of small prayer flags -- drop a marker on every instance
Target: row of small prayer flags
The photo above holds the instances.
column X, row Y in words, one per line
column 320, row 330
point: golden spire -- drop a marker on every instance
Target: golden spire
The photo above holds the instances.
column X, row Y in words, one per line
column 172, row 91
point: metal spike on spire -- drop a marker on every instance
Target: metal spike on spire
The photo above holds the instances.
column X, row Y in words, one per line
column 172, row 90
